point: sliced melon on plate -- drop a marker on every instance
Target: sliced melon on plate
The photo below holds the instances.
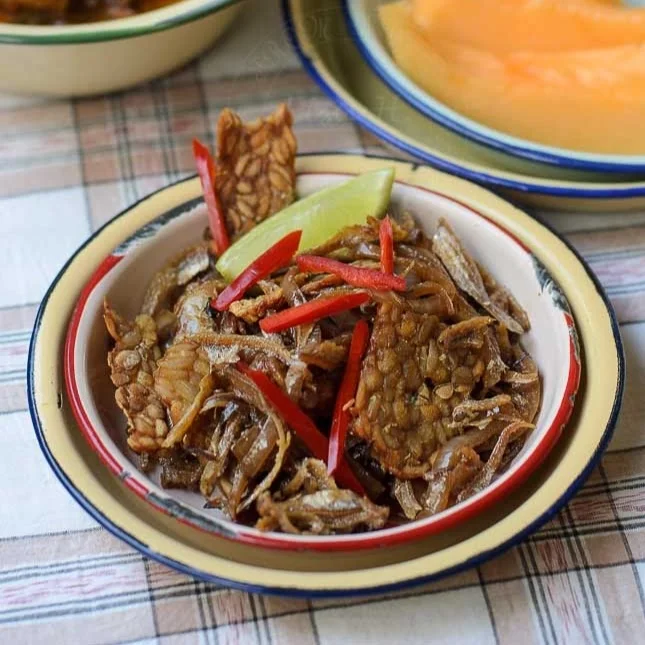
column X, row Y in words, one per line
column 504, row 26
column 592, row 100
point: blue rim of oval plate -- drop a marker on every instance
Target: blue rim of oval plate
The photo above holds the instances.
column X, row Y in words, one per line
column 121, row 533
column 478, row 177
column 489, row 137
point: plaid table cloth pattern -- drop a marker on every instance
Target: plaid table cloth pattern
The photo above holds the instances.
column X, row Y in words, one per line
column 68, row 166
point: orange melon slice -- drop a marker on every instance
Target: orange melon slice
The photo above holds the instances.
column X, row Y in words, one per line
column 539, row 25
column 591, row 100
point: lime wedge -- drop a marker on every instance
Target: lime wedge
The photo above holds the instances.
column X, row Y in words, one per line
column 319, row 216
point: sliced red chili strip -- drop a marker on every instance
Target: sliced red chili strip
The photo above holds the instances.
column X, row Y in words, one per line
column 301, row 424
column 206, row 172
column 312, row 311
column 347, row 391
column 386, row 238
column 274, row 258
column 357, row 276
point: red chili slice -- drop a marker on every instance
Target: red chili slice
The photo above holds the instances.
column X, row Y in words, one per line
column 274, row 258
column 206, row 172
column 312, row 311
column 386, row 238
column 357, row 276
column 347, row 391
column 301, row 424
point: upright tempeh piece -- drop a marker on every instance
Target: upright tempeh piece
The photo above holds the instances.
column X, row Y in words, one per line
column 256, row 174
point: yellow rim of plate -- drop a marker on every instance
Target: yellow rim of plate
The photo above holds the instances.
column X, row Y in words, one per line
column 596, row 411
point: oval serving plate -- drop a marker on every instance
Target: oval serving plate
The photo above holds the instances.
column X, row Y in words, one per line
column 290, row 572
column 364, row 26
column 122, row 277
column 321, row 40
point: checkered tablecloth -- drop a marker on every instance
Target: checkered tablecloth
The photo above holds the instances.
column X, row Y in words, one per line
column 68, row 166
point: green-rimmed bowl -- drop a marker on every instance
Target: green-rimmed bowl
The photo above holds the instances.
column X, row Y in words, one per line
column 101, row 57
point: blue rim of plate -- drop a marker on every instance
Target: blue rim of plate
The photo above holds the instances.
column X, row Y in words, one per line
column 437, row 162
column 121, row 533
column 532, row 151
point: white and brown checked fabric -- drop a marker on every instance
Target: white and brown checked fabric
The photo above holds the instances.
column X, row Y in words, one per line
column 66, row 167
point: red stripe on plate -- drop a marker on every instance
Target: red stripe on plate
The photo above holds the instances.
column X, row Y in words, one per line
column 70, row 368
